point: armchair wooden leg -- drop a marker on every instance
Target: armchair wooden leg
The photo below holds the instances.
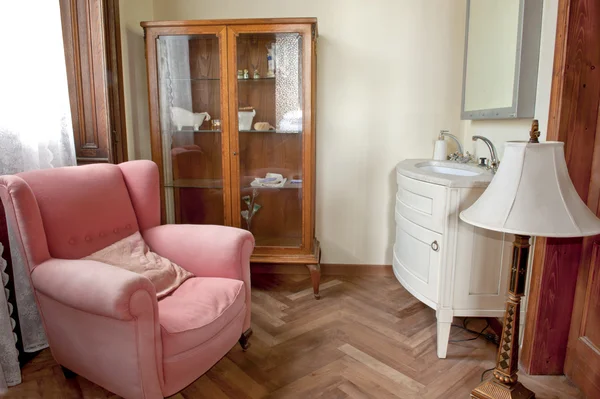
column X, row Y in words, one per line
column 315, row 276
column 244, row 339
column 68, row 373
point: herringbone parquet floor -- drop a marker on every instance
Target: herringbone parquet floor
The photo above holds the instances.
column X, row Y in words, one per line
column 366, row 338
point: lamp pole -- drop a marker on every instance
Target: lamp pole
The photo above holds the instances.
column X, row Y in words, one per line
column 505, row 383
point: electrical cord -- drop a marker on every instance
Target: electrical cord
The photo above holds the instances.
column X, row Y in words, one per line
column 493, row 338
column 489, row 337
column 484, row 372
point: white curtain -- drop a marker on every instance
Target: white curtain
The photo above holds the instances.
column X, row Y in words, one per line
column 175, row 91
column 35, row 133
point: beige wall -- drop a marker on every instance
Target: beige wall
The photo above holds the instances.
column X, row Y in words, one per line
column 502, row 131
column 134, row 76
column 390, row 77
column 389, row 80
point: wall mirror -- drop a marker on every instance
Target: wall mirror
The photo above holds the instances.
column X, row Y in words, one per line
column 502, row 46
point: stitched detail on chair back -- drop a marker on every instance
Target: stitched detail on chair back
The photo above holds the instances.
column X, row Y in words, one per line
column 83, row 208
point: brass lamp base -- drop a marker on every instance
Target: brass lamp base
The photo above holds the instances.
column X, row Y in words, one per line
column 504, row 384
column 492, row 389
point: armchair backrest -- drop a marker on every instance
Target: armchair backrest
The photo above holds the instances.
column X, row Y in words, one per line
column 72, row 212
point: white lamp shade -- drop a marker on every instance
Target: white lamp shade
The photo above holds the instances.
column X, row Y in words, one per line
column 532, row 194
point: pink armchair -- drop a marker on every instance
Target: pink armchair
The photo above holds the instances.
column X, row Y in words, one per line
column 105, row 323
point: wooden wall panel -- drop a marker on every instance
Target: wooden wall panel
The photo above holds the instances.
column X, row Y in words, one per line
column 575, row 98
column 116, row 95
column 94, row 72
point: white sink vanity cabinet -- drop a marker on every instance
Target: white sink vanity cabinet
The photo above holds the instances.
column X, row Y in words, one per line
column 451, row 266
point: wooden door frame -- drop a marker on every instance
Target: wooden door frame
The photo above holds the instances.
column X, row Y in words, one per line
column 575, row 97
column 92, row 45
column 116, row 89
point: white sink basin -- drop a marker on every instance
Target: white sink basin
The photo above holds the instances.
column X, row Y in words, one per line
column 449, row 169
column 444, row 173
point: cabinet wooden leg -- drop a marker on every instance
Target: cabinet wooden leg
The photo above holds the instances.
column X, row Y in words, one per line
column 68, row 373
column 443, row 336
column 315, row 276
column 244, row 339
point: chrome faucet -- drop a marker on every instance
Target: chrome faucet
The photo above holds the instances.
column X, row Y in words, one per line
column 493, row 154
column 446, row 133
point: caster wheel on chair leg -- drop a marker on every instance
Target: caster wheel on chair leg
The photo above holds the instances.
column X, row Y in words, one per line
column 244, row 339
column 68, row 373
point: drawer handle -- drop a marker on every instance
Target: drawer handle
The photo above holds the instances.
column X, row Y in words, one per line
column 435, row 246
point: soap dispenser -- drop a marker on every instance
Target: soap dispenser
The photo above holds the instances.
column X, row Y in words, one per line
column 440, row 150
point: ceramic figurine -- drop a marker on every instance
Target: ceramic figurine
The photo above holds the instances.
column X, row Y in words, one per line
column 246, row 74
column 182, row 117
column 271, row 61
column 256, row 74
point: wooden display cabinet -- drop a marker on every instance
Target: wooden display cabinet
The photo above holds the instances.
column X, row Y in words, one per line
column 231, row 70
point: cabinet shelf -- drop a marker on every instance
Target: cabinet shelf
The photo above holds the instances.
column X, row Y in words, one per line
column 196, row 131
column 266, row 241
column 218, row 184
column 195, row 183
column 270, row 131
column 195, row 79
column 256, row 80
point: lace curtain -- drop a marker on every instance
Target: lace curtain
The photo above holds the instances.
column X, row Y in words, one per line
column 35, row 133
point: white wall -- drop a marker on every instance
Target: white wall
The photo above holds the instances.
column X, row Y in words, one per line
column 132, row 12
column 501, row 131
column 389, row 80
column 390, row 77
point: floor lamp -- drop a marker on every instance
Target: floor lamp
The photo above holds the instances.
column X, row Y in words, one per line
column 530, row 195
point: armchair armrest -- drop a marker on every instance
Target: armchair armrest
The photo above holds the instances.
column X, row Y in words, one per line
column 95, row 287
column 205, row 250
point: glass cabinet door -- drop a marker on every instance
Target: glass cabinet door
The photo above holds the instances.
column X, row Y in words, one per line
column 269, row 123
column 191, row 124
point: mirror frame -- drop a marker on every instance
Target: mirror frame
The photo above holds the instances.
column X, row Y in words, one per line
column 528, row 33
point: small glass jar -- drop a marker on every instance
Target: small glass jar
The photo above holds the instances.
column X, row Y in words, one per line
column 240, row 74
column 216, row 124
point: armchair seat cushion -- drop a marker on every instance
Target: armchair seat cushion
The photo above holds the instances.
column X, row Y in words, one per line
column 197, row 311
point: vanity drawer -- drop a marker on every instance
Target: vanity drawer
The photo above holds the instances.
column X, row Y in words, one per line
column 422, row 203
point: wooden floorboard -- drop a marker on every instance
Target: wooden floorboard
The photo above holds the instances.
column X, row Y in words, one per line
column 366, row 338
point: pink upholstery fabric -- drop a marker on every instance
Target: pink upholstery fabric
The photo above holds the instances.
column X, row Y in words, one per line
column 197, row 311
column 121, row 356
column 83, row 208
column 91, row 286
column 206, row 251
column 141, row 178
column 103, row 322
column 183, row 369
column 23, row 213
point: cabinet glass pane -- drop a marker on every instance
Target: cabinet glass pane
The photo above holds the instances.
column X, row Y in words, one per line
column 270, row 122
column 190, row 115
